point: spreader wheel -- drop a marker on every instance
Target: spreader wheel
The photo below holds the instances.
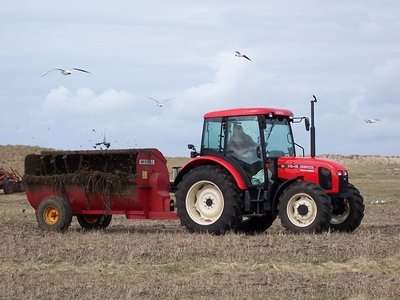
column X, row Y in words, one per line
column 91, row 222
column 54, row 214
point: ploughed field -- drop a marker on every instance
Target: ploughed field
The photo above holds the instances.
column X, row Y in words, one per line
column 160, row 259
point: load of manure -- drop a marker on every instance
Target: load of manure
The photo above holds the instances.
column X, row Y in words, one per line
column 101, row 172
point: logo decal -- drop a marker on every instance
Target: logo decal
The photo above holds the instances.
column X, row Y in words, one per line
column 302, row 168
column 148, row 162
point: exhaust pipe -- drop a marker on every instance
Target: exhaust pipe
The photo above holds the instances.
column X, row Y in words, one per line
column 312, row 128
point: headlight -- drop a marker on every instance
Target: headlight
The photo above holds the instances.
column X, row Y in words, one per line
column 342, row 173
column 325, row 178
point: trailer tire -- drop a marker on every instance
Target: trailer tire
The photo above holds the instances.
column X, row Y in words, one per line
column 93, row 222
column 347, row 212
column 257, row 224
column 304, row 207
column 208, row 200
column 9, row 187
column 54, row 214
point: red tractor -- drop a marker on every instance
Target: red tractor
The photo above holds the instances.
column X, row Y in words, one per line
column 10, row 181
column 247, row 173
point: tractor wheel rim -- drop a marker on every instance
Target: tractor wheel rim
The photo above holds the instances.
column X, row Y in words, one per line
column 51, row 215
column 204, row 202
column 302, row 210
column 340, row 218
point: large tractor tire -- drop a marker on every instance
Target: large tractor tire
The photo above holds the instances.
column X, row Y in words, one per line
column 54, row 214
column 93, row 222
column 304, row 207
column 256, row 224
column 347, row 212
column 208, row 200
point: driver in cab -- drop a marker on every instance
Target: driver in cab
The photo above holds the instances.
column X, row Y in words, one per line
column 242, row 145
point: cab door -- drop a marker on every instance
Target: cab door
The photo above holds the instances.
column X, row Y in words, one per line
column 245, row 147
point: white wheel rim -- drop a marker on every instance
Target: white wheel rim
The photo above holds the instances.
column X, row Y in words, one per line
column 338, row 219
column 301, row 210
column 204, row 202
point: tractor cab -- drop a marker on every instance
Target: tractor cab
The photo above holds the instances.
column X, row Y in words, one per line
column 250, row 139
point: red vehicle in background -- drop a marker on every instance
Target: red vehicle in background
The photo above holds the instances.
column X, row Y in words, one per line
column 10, row 181
column 245, row 175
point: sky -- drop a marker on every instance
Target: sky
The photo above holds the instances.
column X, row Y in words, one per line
column 347, row 53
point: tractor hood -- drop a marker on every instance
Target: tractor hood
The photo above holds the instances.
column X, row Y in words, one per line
column 325, row 172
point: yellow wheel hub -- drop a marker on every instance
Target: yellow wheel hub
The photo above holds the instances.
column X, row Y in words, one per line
column 51, row 215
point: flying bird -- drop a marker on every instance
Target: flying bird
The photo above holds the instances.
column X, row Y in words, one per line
column 371, row 121
column 66, row 72
column 238, row 54
column 159, row 103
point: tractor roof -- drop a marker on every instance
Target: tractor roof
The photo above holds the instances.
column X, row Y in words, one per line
column 249, row 112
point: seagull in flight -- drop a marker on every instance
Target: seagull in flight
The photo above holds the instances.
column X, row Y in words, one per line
column 159, row 103
column 238, row 54
column 66, row 72
column 371, row 121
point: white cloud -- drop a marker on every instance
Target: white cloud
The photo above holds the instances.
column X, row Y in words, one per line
column 389, row 70
column 85, row 101
column 370, row 27
column 231, row 74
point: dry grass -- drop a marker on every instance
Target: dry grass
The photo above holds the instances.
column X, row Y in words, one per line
column 12, row 156
column 159, row 259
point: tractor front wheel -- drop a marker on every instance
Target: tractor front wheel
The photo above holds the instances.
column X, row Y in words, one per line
column 305, row 208
column 208, row 200
column 347, row 211
column 54, row 214
column 92, row 222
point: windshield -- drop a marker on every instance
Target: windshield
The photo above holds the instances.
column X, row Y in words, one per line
column 278, row 138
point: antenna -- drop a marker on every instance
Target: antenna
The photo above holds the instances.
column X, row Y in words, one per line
column 312, row 128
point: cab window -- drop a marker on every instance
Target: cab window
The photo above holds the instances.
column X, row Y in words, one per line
column 213, row 134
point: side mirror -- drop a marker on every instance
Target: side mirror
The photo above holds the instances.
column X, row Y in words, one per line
column 193, row 153
column 307, row 124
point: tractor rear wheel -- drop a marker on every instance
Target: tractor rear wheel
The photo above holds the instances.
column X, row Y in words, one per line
column 257, row 224
column 304, row 207
column 91, row 222
column 208, row 200
column 54, row 214
column 9, row 186
column 347, row 212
